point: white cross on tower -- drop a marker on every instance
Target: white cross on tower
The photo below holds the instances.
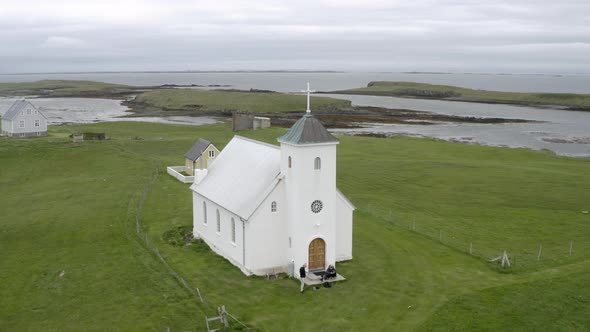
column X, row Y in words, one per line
column 308, row 91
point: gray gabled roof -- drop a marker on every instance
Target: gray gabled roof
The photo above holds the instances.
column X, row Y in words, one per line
column 307, row 130
column 18, row 106
column 195, row 152
column 226, row 183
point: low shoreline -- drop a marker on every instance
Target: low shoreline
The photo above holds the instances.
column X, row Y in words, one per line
column 477, row 101
column 336, row 115
column 411, row 90
column 333, row 118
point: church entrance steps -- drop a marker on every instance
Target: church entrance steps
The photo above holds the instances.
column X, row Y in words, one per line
column 313, row 278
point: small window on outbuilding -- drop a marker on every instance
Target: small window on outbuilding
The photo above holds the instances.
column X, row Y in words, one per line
column 290, row 162
column 273, row 207
column 211, row 153
column 204, row 213
column 233, row 230
column 317, row 163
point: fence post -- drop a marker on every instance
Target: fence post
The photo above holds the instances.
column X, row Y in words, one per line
column 505, row 259
column 223, row 316
column 200, row 297
column 440, row 235
column 471, row 248
column 571, row 247
column 540, row 250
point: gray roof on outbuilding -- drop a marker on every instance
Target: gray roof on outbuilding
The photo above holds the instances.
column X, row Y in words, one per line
column 15, row 109
column 195, row 152
column 307, row 130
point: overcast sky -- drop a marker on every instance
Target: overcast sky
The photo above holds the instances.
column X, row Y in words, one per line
column 542, row 36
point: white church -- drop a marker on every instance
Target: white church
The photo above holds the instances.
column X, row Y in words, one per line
column 270, row 209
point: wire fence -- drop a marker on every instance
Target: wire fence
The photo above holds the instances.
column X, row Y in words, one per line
column 522, row 256
column 203, row 305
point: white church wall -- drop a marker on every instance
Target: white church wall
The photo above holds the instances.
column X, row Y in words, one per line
column 304, row 184
column 343, row 230
column 267, row 241
column 220, row 242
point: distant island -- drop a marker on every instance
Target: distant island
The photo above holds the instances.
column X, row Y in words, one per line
column 480, row 73
column 567, row 101
column 178, row 72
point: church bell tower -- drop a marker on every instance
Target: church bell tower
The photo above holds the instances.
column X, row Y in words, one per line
column 308, row 164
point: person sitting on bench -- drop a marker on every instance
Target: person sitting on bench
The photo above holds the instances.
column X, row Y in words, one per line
column 330, row 272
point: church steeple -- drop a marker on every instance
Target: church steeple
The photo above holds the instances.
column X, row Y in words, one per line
column 307, row 130
column 308, row 166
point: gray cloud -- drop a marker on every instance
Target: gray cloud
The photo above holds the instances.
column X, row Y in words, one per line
column 455, row 35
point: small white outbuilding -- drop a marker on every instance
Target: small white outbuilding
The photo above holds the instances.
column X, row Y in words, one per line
column 24, row 120
column 270, row 209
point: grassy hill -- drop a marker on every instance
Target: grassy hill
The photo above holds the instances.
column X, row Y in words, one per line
column 553, row 304
column 71, row 259
column 226, row 101
column 446, row 92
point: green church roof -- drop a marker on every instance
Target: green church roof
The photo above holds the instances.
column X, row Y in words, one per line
column 307, row 130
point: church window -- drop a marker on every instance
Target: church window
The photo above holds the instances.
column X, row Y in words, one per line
column 273, row 207
column 28, row 111
column 218, row 222
column 211, row 153
column 316, row 206
column 290, row 161
column 21, row 123
column 233, row 230
column 37, row 123
column 204, row 213
column 317, row 163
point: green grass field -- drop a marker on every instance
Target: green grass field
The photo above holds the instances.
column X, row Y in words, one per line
column 226, row 101
column 423, row 90
column 64, row 88
column 71, row 208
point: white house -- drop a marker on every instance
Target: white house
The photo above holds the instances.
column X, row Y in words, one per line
column 271, row 209
column 24, row 120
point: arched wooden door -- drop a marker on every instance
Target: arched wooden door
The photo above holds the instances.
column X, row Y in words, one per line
column 317, row 254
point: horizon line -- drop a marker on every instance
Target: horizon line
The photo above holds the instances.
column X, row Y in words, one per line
column 295, row 71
